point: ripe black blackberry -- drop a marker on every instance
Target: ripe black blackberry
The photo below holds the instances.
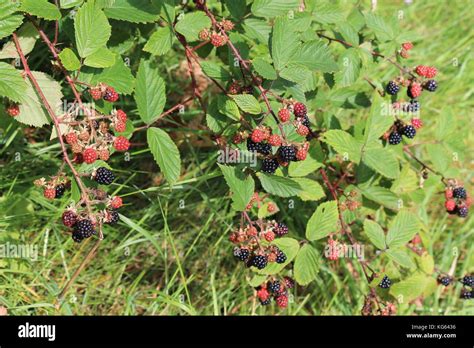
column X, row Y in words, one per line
column 409, row 131
column 77, row 237
column 394, row 138
column 462, row 211
column 444, row 280
column 385, row 283
column 287, row 153
column 60, row 189
column 269, row 165
column 84, row 228
column 104, row 176
column 392, row 88
column 264, row 149
column 252, row 146
column 281, row 229
column 241, row 253
column 281, row 257
column 467, row 294
column 112, row 217
column 468, row 280
column 304, row 121
column 430, row 85
column 460, row 192
column 274, row 286
column 414, row 105
column 266, row 302
column 259, row 261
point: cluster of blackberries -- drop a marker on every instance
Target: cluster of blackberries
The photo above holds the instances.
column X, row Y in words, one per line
column 385, row 283
column 457, row 200
column 102, row 91
column 397, row 130
column 54, row 188
column 276, row 289
column 255, row 247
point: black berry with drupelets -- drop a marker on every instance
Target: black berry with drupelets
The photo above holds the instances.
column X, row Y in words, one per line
column 60, row 189
column 467, row 294
column 84, row 228
column 259, row 261
column 104, row 176
column 413, row 106
column 305, row 121
column 241, row 253
column 385, row 283
column 392, row 88
column 287, row 153
column 112, row 217
column 460, row 192
column 462, row 211
column 394, row 138
column 77, row 237
column 274, row 286
column 409, row 131
column 252, row 146
column 280, row 229
column 468, row 280
column 264, row 149
column 269, row 165
column 281, row 257
column 289, row 282
column 430, row 85
column 445, row 280
column 299, row 109
column 266, row 302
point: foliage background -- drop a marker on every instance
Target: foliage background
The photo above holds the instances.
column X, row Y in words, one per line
column 167, row 259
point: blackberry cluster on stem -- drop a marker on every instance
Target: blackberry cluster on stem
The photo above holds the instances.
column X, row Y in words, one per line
column 276, row 289
column 457, row 199
column 398, row 129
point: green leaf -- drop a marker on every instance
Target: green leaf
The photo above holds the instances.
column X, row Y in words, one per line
column 379, row 119
column 348, row 33
column 135, row 11
column 406, row 182
column 381, row 196
column 165, row 153
column 150, row 94
column 344, row 143
column 306, row 265
column 310, row 190
column 27, row 37
column 294, row 73
column 328, row 13
column 349, row 68
column 315, row 55
column 118, row 76
column 426, row 263
column 241, row 186
column 92, row 29
column 257, row 29
column 9, row 24
column 303, row 168
column 278, row 185
column 409, row 289
column 191, row 24
column 375, row 234
column 264, row 69
column 273, row 8
column 402, row 229
column 102, row 58
column 284, row 42
column 401, row 257
column 228, row 107
column 323, row 221
column 32, row 111
column 290, row 247
column 12, row 84
column 69, row 59
column 382, row 29
column 383, row 161
column 248, row 103
column 160, row 41
column 257, row 279
column 41, row 9
column 215, row 71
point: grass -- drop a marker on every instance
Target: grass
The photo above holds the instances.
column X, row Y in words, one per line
column 170, row 255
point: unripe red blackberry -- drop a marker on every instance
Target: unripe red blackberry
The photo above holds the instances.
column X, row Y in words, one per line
column 269, row 236
column 414, row 90
column 71, row 138
column 116, row 202
column 299, row 109
column 258, row 135
column 301, row 154
column 121, row 115
column 282, row 301
column 227, row 25
column 407, row 46
column 263, row 294
column 274, row 140
column 217, row 40
column 89, row 155
column 284, row 115
column 110, row 95
column 104, row 154
column 69, row 218
column 49, row 192
column 421, row 70
column 120, row 126
column 417, row 123
column 13, row 110
column 302, row 130
column 450, row 205
column 204, row 34
column 121, row 143
column 96, row 93
column 430, row 72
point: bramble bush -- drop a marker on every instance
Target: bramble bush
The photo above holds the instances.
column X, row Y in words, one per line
column 287, row 91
